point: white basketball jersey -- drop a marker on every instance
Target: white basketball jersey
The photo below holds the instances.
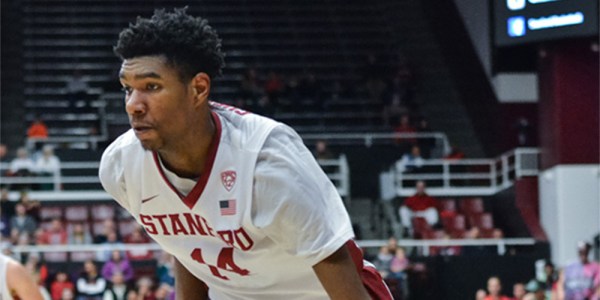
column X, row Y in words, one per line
column 256, row 221
column 4, row 292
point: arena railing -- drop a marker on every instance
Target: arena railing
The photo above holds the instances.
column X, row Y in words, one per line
column 339, row 175
column 421, row 246
column 369, row 139
column 465, row 177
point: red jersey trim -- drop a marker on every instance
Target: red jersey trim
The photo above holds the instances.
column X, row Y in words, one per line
column 191, row 199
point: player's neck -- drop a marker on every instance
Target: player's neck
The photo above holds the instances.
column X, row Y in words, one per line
column 188, row 158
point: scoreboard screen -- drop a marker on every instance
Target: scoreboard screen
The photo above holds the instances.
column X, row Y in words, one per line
column 519, row 22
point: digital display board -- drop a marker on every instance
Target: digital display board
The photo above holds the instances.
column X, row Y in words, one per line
column 526, row 21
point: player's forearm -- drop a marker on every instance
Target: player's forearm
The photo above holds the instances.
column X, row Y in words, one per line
column 339, row 277
column 188, row 286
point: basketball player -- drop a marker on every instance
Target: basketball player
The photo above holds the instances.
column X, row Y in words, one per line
column 236, row 198
column 16, row 282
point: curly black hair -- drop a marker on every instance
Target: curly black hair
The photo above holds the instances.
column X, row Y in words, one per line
column 189, row 44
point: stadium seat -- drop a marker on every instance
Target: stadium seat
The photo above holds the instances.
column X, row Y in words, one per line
column 102, row 211
column 81, row 256
column 470, row 206
column 446, row 205
column 126, row 227
column 76, row 213
column 483, row 221
column 50, row 212
column 420, row 227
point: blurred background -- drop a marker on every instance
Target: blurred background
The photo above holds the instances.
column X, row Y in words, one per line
column 462, row 135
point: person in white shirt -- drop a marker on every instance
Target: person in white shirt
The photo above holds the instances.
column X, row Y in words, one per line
column 236, row 198
column 22, row 165
column 48, row 164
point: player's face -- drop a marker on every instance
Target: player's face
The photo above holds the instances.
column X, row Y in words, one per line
column 158, row 104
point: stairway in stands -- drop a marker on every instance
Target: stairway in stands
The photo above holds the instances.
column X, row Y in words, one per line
column 437, row 93
column 327, row 38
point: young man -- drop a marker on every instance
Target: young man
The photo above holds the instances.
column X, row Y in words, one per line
column 16, row 282
column 236, row 198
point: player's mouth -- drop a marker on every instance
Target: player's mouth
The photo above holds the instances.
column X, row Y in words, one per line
column 141, row 129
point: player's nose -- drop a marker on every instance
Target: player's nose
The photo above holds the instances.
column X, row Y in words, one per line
column 134, row 103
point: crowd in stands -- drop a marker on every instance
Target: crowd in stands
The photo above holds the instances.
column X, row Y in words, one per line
column 425, row 217
column 43, row 163
column 100, row 274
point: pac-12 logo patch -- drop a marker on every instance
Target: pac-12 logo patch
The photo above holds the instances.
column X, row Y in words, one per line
column 228, row 179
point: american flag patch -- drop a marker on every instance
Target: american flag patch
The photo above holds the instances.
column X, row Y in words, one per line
column 227, row 207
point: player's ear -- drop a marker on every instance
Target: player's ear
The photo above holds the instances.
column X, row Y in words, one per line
column 201, row 87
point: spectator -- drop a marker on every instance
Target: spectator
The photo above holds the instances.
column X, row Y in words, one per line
column 494, row 288
column 398, row 267
column 411, row 162
column 519, row 291
column 117, row 289
column 426, row 144
column 144, row 288
column 3, row 153
column 61, row 282
column 392, row 244
column 37, row 129
column 105, row 252
column 164, row 292
column 68, row 294
column 55, row 234
column 48, row 164
column 383, row 261
column 273, row 88
column 164, row 272
column 455, row 154
column 480, row 294
column 32, row 207
column 77, row 89
column 21, row 223
column 138, row 236
column 117, row 264
column 108, row 227
column 90, row 285
column 404, row 127
column 537, row 289
column 22, row 165
column 549, row 278
column 581, row 279
column 132, row 295
column 79, row 235
column 419, row 205
column 322, row 150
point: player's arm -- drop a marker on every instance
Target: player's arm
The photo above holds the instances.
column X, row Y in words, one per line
column 188, row 286
column 339, row 276
column 21, row 283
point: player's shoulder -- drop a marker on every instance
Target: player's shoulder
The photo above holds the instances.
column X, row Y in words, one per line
column 244, row 129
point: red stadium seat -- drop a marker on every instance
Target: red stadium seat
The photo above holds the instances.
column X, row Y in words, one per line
column 470, row 206
column 126, row 227
column 454, row 223
column 483, row 221
column 103, row 211
column 76, row 213
column 447, row 205
column 420, row 227
column 51, row 212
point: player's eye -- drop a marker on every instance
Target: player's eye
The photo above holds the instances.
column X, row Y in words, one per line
column 127, row 90
column 152, row 87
